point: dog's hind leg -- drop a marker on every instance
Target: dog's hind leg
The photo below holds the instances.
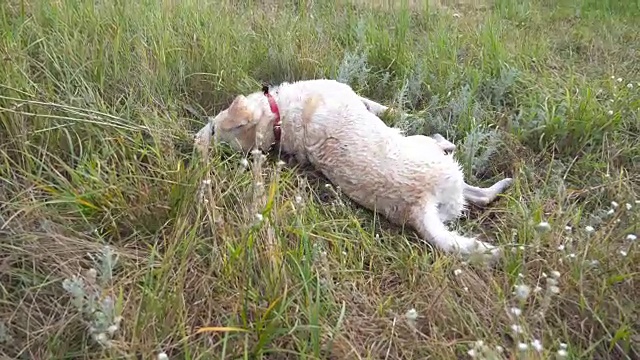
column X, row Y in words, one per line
column 431, row 228
column 484, row 196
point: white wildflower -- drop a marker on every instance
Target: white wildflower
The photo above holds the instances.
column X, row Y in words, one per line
column 112, row 329
column 102, row 338
column 522, row 291
column 499, row 349
column 259, row 217
column 537, row 345
column 610, row 212
column 280, row 163
column 628, row 206
column 515, row 311
column 523, row 346
column 623, row 253
column 457, row 272
column 629, row 86
column 163, row 356
column 589, row 229
column 411, row 314
column 610, row 112
column 543, row 226
column 472, row 353
column 562, row 353
column 631, row 237
column 555, row 274
column 516, row 328
column 561, row 247
column 563, row 346
column 91, row 275
column 572, row 255
column 619, row 79
column 244, row 162
column 206, row 182
column 614, row 204
column 568, row 228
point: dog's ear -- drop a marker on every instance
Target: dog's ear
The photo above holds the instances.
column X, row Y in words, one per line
column 238, row 104
column 238, row 114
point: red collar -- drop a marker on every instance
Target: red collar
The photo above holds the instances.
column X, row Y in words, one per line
column 277, row 130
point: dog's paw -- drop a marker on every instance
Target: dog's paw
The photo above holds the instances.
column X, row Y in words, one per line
column 502, row 185
column 444, row 144
column 476, row 249
column 488, row 252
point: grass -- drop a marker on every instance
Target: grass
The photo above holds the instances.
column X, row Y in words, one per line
column 96, row 150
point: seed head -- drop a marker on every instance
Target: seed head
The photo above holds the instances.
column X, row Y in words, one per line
column 515, row 311
column 411, row 314
column 522, row 291
column 537, row 345
column 562, row 353
column 516, row 328
column 543, row 227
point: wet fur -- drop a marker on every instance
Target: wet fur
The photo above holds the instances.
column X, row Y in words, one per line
column 411, row 180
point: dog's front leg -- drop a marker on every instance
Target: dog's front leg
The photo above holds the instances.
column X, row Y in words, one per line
column 427, row 222
column 445, row 144
column 374, row 107
column 202, row 139
column 379, row 109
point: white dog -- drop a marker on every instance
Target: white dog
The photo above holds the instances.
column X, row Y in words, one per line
column 408, row 179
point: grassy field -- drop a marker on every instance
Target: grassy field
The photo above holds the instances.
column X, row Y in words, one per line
column 105, row 252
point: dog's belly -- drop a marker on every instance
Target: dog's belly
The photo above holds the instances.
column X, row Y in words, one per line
column 385, row 176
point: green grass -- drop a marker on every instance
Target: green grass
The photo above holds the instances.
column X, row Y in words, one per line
column 96, row 149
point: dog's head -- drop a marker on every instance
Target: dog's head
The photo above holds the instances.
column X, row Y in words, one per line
column 242, row 125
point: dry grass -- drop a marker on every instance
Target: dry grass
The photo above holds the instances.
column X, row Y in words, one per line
column 96, row 150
